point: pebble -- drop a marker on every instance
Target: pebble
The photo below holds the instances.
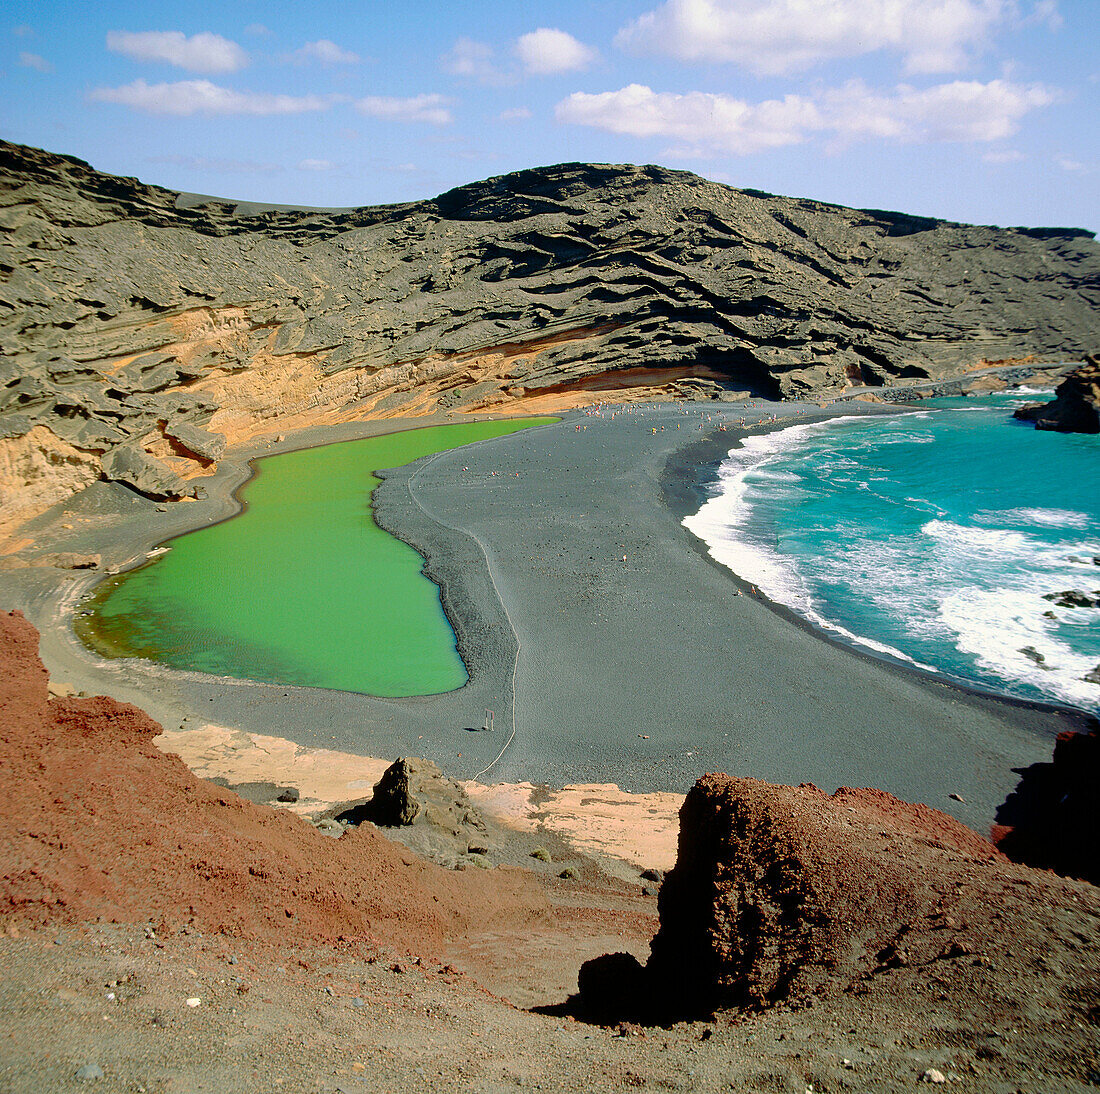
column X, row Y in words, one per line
column 89, row 1072
column 194, row 1001
column 933, row 1076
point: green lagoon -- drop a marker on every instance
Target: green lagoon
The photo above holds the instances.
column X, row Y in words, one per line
column 302, row 587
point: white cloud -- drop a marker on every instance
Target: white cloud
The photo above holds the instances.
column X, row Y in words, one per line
column 964, row 110
column 203, row 52
column 472, row 60
column 698, row 117
column 186, row 97
column 316, row 165
column 258, row 29
column 23, row 31
column 327, row 53
column 772, row 37
column 420, row 108
column 1045, row 11
column 546, row 51
column 32, row 60
column 709, row 123
column 516, row 114
column 1068, row 164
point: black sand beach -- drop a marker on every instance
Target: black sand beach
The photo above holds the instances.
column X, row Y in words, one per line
column 639, row 661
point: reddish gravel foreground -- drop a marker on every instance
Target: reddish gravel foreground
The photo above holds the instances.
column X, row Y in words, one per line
column 98, row 822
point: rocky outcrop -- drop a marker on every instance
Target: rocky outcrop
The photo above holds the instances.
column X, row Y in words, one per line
column 1050, row 821
column 425, row 810
column 136, row 318
column 38, row 469
column 1076, row 406
column 393, row 802
column 778, row 891
column 783, row 894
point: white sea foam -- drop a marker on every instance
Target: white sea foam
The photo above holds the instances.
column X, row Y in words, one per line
column 945, row 583
column 898, row 436
column 1050, row 518
column 995, row 626
column 967, row 547
column 721, row 521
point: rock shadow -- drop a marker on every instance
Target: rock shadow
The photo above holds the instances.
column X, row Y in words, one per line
column 1050, row 819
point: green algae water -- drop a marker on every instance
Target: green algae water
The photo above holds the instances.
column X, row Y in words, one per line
column 302, row 587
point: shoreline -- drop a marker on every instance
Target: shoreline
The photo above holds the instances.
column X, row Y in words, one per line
column 994, row 734
column 859, row 645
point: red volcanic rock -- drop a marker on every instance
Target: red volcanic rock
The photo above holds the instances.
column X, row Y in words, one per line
column 1076, row 406
column 779, row 890
column 97, row 821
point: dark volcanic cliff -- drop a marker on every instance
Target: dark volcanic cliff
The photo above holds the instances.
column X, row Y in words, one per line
column 136, row 323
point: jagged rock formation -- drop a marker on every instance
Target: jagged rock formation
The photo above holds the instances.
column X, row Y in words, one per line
column 1076, row 406
column 425, row 810
column 781, row 894
column 139, row 328
column 1050, row 820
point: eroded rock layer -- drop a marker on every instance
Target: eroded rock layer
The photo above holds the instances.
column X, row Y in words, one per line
column 143, row 328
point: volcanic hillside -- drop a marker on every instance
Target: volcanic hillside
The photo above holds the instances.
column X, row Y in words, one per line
column 141, row 329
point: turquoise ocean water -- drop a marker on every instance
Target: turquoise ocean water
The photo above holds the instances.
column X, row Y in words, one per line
column 929, row 537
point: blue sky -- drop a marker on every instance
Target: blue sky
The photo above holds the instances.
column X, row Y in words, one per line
column 974, row 110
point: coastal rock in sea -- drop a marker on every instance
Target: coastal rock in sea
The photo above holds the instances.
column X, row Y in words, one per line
column 1075, row 598
column 141, row 318
column 1052, row 818
column 1032, row 654
column 1076, row 406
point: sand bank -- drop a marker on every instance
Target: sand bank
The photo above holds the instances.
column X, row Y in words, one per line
column 565, row 568
column 601, row 821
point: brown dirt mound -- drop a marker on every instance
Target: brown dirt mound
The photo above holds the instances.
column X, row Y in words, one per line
column 98, row 822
